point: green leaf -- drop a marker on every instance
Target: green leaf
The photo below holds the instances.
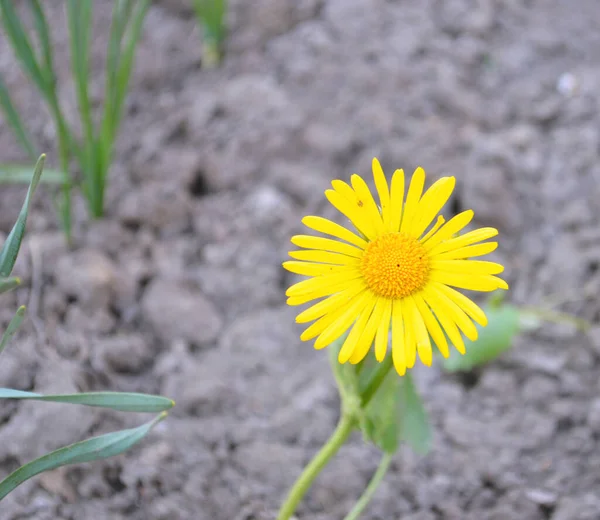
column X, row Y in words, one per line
column 21, row 174
column 415, row 428
column 15, row 122
column 21, row 44
column 96, row 448
column 121, row 401
column 8, row 284
column 10, row 248
column 380, row 421
column 13, row 326
column 396, row 413
column 493, row 340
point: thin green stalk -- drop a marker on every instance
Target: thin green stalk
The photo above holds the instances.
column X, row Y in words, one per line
column 368, row 493
column 320, row 460
column 79, row 14
column 375, row 381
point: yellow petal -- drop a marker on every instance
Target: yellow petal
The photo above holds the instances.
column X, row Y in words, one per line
column 468, row 251
column 410, row 335
column 324, row 257
column 312, row 269
column 354, row 212
column 341, row 325
column 331, row 303
column 477, row 235
column 421, row 336
column 322, row 323
column 357, row 331
column 366, row 340
column 384, row 193
column 415, row 189
column 433, row 327
column 383, row 331
column 398, row 337
column 323, row 285
column 448, row 325
column 478, row 282
column 326, row 244
column 454, row 225
column 453, row 311
column 368, row 203
column 467, row 266
column 323, row 225
column 430, row 205
column 438, row 224
column 466, row 304
column 396, row 201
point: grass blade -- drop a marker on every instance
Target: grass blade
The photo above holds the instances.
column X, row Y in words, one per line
column 43, row 31
column 96, row 448
column 19, row 174
column 8, row 284
column 21, row 44
column 15, row 122
column 10, row 248
column 120, row 401
column 211, row 17
column 79, row 15
column 13, row 326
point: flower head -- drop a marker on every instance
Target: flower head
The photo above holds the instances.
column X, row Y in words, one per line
column 396, row 272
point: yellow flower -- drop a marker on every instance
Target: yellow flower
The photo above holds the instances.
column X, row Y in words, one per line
column 393, row 273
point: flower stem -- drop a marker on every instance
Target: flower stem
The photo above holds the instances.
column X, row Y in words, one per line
column 376, row 380
column 367, row 495
column 316, row 465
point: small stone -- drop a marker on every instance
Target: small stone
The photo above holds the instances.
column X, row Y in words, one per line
column 176, row 311
column 593, row 418
column 87, row 275
column 160, row 205
column 542, row 497
column 125, row 353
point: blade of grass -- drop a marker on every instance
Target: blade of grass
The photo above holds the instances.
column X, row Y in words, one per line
column 8, row 284
column 13, row 326
column 20, row 174
column 120, row 401
column 15, row 122
column 41, row 26
column 22, row 45
column 127, row 22
column 10, row 248
column 96, row 448
column 79, row 15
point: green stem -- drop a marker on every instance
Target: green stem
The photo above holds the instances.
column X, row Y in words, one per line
column 375, row 382
column 367, row 495
column 319, row 461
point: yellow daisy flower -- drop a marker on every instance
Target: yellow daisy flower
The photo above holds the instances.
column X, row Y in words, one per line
column 393, row 273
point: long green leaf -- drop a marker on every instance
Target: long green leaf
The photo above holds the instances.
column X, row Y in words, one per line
column 8, row 284
column 14, row 120
column 22, row 45
column 43, row 31
column 21, row 174
column 415, row 428
column 96, row 448
column 79, row 14
column 13, row 326
column 493, row 340
column 121, row 401
column 10, row 248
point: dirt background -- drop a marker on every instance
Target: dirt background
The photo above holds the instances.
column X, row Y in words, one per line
column 180, row 290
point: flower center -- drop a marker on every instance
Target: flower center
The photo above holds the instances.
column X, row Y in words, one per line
column 395, row 265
